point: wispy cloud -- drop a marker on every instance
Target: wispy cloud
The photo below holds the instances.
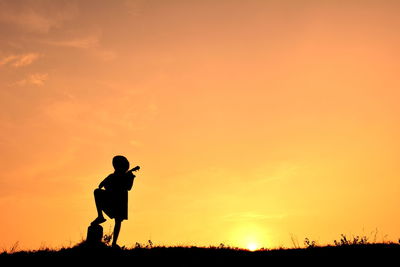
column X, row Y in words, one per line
column 7, row 60
column 90, row 42
column 25, row 60
column 35, row 16
column 28, row 20
column 19, row 60
column 80, row 42
column 104, row 55
column 134, row 7
column 37, row 79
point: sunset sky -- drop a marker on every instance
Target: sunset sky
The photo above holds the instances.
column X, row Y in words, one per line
column 254, row 122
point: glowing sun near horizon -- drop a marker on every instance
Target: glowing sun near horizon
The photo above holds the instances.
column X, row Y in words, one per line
column 252, row 246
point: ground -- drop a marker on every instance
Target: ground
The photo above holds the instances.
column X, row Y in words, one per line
column 213, row 256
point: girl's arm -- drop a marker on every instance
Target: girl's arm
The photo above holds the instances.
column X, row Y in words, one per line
column 103, row 183
column 130, row 177
column 129, row 180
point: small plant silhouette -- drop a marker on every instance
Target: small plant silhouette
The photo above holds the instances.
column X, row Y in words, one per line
column 309, row 243
column 357, row 240
column 108, row 237
column 295, row 241
column 14, row 247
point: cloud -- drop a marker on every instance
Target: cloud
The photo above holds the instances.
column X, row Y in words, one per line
column 82, row 42
column 25, row 60
column 19, row 60
column 35, row 16
column 7, row 60
column 105, row 55
column 91, row 42
column 28, row 20
column 36, row 79
column 134, row 7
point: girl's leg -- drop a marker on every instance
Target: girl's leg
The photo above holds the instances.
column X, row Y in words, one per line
column 98, row 200
column 117, row 228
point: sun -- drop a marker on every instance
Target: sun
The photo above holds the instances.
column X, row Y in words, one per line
column 249, row 236
column 252, row 246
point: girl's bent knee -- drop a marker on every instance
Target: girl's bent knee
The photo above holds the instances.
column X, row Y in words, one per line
column 97, row 191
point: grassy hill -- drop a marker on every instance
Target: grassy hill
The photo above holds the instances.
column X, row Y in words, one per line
column 339, row 254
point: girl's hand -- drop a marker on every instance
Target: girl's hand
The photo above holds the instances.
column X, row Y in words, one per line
column 134, row 169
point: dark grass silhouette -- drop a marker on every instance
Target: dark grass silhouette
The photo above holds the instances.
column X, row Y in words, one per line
column 344, row 252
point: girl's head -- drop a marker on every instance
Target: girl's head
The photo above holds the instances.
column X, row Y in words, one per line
column 120, row 163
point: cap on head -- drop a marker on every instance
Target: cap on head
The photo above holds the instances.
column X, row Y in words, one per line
column 120, row 163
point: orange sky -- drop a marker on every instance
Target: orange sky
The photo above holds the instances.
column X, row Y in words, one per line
column 253, row 121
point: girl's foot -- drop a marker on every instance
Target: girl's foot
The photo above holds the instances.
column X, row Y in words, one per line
column 98, row 220
column 115, row 246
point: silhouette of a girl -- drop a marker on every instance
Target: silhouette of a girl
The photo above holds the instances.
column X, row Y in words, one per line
column 113, row 199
